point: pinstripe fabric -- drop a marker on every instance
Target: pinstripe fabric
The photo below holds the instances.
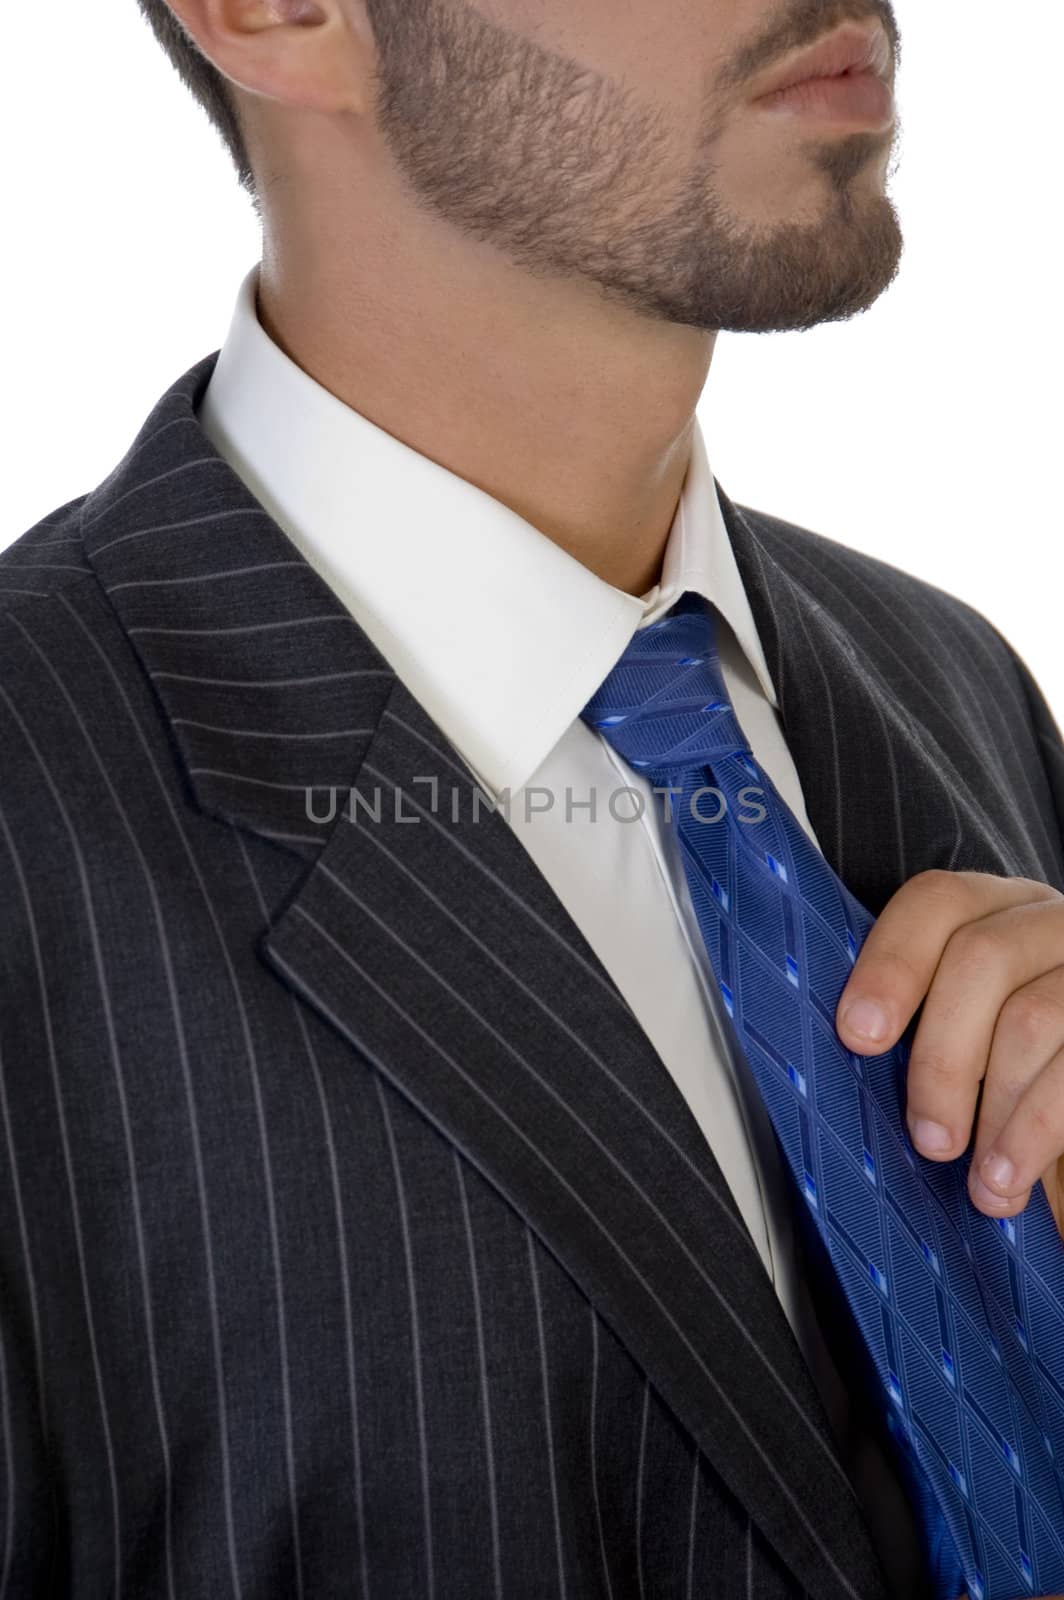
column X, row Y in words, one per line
column 353, row 1239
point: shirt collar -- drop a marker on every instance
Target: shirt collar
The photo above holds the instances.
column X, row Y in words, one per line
column 500, row 634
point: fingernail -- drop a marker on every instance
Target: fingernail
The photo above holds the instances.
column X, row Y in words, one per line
column 865, row 1019
column 998, row 1172
column 931, row 1137
column 986, row 1197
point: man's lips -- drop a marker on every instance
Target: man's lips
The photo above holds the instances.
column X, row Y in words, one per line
column 846, row 78
column 851, row 49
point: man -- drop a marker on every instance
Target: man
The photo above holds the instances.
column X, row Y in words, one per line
column 394, row 1202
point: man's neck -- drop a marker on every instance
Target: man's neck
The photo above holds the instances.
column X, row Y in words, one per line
column 572, row 411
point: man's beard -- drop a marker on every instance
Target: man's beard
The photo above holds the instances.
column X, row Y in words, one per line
column 558, row 169
column 788, row 276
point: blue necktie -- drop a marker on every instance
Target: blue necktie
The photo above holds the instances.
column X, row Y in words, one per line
column 963, row 1315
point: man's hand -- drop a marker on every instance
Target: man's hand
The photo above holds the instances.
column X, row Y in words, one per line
column 988, row 954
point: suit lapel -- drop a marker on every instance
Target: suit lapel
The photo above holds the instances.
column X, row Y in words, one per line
column 418, row 927
column 428, row 938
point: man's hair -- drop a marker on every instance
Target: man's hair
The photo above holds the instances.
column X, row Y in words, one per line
column 202, row 77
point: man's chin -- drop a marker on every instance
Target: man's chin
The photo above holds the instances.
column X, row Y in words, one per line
column 798, row 277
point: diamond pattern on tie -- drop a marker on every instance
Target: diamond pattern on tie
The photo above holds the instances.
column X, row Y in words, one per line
column 963, row 1316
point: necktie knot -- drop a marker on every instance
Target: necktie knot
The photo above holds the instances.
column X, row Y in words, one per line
column 665, row 707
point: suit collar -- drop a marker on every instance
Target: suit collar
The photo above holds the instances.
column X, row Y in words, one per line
column 271, row 692
column 441, row 954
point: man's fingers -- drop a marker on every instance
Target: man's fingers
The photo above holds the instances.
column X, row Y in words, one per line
column 985, row 967
column 1028, row 1145
column 1028, row 1036
column 899, row 958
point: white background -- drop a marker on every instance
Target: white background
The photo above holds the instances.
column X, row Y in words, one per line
column 925, row 432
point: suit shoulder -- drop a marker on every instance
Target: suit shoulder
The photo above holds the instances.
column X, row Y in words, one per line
column 44, row 575
column 45, row 560
column 924, row 628
column 830, row 569
column 53, row 611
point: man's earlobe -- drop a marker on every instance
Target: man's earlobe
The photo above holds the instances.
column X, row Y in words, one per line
column 294, row 52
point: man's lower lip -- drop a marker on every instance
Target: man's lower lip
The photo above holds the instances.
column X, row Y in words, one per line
column 856, row 99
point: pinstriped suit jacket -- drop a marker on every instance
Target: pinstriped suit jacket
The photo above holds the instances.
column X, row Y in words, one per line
column 353, row 1239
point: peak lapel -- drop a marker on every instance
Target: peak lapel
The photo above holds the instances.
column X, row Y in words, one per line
column 423, row 933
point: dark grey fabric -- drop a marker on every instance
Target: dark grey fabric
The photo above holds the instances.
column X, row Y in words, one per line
column 354, row 1241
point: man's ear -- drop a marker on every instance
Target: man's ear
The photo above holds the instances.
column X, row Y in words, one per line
column 307, row 53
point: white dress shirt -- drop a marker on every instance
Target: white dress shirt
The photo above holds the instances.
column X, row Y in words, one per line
column 503, row 638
